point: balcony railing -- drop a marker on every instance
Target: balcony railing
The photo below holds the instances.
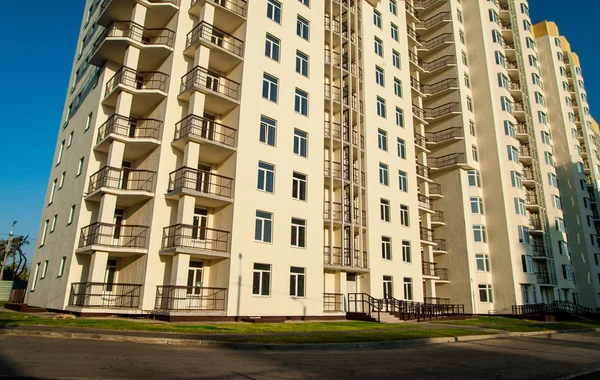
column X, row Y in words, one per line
column 531, row 199
column 447, row 160
column 439, row 63
column 424, row 201
column 105, row 295
column 172, row 297
column 438, row 40
column 545, row 278
column 420, row 140
column 426, row 234
column 333, row 256
column 200, row 77
column 333, row 169
column 539, row 250
column 202, row 181
column 195, row 237
column 122, row 179
column 431, row 269
column 206, row 129
column 536, row 224
column 333, row 58
column 434, row 20
column 441, row 245
column 207, row 32
column 238, row 7
column 438, row 217
column 437, row 300
column 136, row 32
column 413, row 33
column 130, row 127
column 332, row 211
column 443, row 110
column 422, row 170
column 174, row 2
column 414, row 58
column 333, row 302
column 113, row 235
column 435, row 189
column 445, row 135
column 530, row 175
column 140, row 80
column 432, row 89
column 418, row 111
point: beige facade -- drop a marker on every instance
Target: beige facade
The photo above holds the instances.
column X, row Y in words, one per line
column 209, row 171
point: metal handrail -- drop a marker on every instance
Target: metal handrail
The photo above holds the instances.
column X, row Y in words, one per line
column 203, row 181
column 113, row 235
column 238, row 7
column 140, row 80
column 122, row 179
column 212, row 34
column 138, row 33
column 105, row 295
column 195, row 237
column 130, row 127
column 200, row 77
column 207, row 129
column 172, row 297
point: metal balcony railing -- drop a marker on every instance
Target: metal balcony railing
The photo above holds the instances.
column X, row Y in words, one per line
column 139, row 80
column 206, row 129
column 171, row 297
column 113, row 235
column 443, row 110
column 208, row 32
column 414, row 58
column 195, row 237
column 422, row 170
column 202, row 181
column 426, row 234
column 438, row 217
column 432, row 89
column 435, row 20
column 199, row 77
column 105, row 295
column 439, row 63
column 174, row 2
column 413, row 34
column 441, row 245
column 437, row 41
column 435, row 189
column 447, row 160
column 332, row 211
column 445, row 135
column 418, row 111
column 332, row 255
column 420, row 140
column 136, row 32
column 424, row 201
column 238, row 7
column 130, row 127
column 333, row 302
column 122, row 179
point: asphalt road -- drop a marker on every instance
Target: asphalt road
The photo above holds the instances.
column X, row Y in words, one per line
column 555, row 357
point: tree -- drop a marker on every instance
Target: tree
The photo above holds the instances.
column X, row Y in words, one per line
column 16, row 262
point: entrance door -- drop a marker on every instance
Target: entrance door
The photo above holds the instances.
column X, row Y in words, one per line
column 132, row 127
column 109, row 274
column 125, row 171
column 118, row 222
column 199, row 223
column 351, row 283
column 388, row 288
column 194, row 285
column 203, row 180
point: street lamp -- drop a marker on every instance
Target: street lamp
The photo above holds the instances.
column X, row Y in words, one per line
column 7, row 250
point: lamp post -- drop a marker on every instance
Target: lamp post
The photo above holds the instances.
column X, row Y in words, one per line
column 7, row 250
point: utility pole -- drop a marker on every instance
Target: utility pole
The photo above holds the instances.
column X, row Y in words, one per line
column 7, row 250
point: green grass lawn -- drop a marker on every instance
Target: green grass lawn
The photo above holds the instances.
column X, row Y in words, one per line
column 520, row 325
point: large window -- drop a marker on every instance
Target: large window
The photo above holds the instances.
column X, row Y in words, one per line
column 267, row 130
column 266, row 177
column 301, row 63
column 479, row 234
column 383, row 174
column 401, row 148
column 274, row 10
column 302, row 27
column 408, row 288
column 476, row 205
column 485, row 293
column 384, row 209
column 297, row 282
column 272, row 46
column 298, row 233
column 270, row 87
column 300, row 143
column 388, row 287
column 261, row 280
column 483, row 262
column 386, row 247
column 381, row 107
column 379, row 76
column 403, row 181
column 301, row 102
column 382, row 139
column 406, row 254
column 299, row 186
column 378, row 47
column 263, row 230
column 404, row 221
column 474, row 178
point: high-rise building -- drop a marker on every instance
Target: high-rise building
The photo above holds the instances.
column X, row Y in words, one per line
column 224, row 158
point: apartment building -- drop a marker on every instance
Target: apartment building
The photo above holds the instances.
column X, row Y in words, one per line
column 574, row 133
column 205, row 170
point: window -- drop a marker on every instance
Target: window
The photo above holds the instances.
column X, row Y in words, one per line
column 395, row 32
column 485, row 293
column 267, row 130
column 383, row 174
column 467, row 81
column 506, row 104
column 88, row 122
column 494, row 16
column 465, row 60
column 386, row 248
column 500, row 59
column 401, row 148
column 476, row 205
column 461, row 36
column 542, row 118
column 459, row 16
column 560, row 224
column 301, row 63
column 305, row 2
column 299, row 186
column 61, row 267
column 549, row 158
column 513, row 153
column 406, row 254
column 53, row 225
column 399, row 117
column 563, row 248
column 597, row 258
column 536, row 79
column 403, row 180
column 263, row 227
column 516, row 179
column 274, row 10
column 301, row 102
column 378, row 47
column 393, row 7
column 553, row 180
column 509, row 129
column 61, row 183
column 404, row 221
column 525, row 10
column 261, row 280
column 35, row 277
column 380, row 106
column 397, row 87
column 539, row 98
column 379, row 76
column 384, row 209
column 479, row 234
column 270, row 87
column 302, row 28
column 266, row 177
column 408, row 288
column 546, row 139
column 527, row 262
column 44, row 270
column 300, row 143
column 475, row 153
column 497, row 37
column 524, row 235
column 483, row 262
column 377, row 19
column 70, row 141
column 469, row 104
column 272, row 46
column 520, row 206
column 53, row 191
column 71, row 215
column 396, row 59
column 388, row 287
column 472, row 128
column 298, row 233
column 568, row 272
column 297, row 282
column 382, row 139
column 60, row 152
column 474, row 178
column 44, row 232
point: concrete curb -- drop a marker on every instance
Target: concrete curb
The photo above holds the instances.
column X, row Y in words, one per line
column 286, row 347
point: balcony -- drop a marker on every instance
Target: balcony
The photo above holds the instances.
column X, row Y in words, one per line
column 422, row 171
column 332, row 212
column 413, row 36
column 532, row 202
column 334, row 58
column 217, row 140
column 435, row 191
column 158, row 12
column 530, row 177
column 210, row 189
column 415, row 60
column 140, row 136
column 113, row 238
column 190, row 298
column 441, row 112
column 226, row 52
column 155, row 45
column 437, row 219
column 430, row 269
column 229, row 14
column 332, row 256
column 424, row 203
column 545, row 278
column 200, row 242
column 420, row 141
column 105, row 295
column 438, row 42
column 147, row 87
column 426, row 4
column 444, row 136
column 333, row 170
column 410, row 11
column 540, row 251
column 334, row 130
column 448, row 161
column 434, row 22
column 441, row 246
column 222, row 94
column 440, row 88
column 526, row 155
column 335, row 93
column 130, row 186
column 439, row 63
column 536, row 225
column 426, row 235
column 419, row 114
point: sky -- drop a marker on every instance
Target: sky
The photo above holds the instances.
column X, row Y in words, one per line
column 36, row 63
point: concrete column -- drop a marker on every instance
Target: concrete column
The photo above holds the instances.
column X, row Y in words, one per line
column 202, row 56
column 139, row 14
column 179, row 269
column 124, row 102
column 429, row 288
column 132, row 57
column 106, row 213
column 207, row 13
column 97, row 266
column 191, row 154
column 116, row 152
column 197, row 103
column 185, row 209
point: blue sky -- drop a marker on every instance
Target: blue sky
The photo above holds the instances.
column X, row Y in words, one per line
column 36, row 62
